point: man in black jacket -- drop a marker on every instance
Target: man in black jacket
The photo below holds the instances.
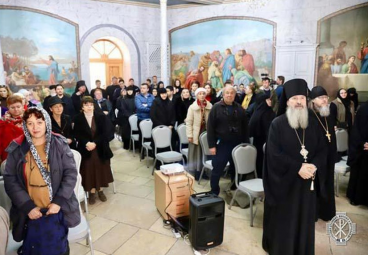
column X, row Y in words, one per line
column 227, row 127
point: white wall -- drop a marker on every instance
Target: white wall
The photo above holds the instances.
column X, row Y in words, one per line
column 141, row 23
column 296, row 22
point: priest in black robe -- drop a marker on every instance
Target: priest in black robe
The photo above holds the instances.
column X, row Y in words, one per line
column 295, row 154
column 358, row 159
column 326, row 207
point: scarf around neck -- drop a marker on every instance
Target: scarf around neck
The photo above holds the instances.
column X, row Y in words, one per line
column 44, row 172
column 16, row 121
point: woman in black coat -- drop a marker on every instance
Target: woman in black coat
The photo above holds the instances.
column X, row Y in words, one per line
column 259, row 125
column 92, row 135
column 61, row 123
column 126, row 107
column 162, row 113
column 182, row 106
column 80, row 91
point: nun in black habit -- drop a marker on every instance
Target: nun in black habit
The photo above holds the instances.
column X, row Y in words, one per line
column 259, row 125
column 358, row 159
column 326, row 207
column 294, row 156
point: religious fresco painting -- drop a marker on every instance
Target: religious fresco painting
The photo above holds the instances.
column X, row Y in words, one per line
column 342, row 55
column 38, row 50
column 222, row 49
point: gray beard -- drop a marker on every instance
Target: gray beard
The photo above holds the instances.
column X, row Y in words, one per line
column 297, row 118
column 324, row 111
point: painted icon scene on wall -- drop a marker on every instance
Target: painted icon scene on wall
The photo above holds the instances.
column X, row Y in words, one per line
column 38, row 50
column 239, row 50
column 343, row 51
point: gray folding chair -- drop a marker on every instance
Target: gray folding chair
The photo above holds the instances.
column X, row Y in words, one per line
column 117, row 133
column 146, row 130
column 4, row 230
column 183, row 139
column 161, row 136
column 5, row 201
column 81, row 195
column 133, row 122
column 341, row 167
column 244, row 156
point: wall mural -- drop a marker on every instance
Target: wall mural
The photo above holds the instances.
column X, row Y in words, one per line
column 343, row 50
column 224, row 48
column 38, row 50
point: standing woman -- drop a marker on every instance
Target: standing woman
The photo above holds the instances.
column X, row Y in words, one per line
column 11, row 124
column 4, row 94
column 61, row 123
column 342, row 109
column 211, row 94
column 92, row 135
column 126, row 107
column 182, row 106
column 80, row 91
column 196, row 123
column 40, row 176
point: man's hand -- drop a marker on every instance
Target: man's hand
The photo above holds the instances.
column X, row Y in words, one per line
column 307, row 171
column 35, row 213
column 90, row 146
column 171, row 127
column 365, row 146
column 53, row 209
column 69, row 140
column 213, row 151
column 190, row 140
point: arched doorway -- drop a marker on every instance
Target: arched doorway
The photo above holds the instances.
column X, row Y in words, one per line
column 106, row 61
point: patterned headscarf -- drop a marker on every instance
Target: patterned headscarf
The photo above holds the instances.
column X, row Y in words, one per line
column 44, row 172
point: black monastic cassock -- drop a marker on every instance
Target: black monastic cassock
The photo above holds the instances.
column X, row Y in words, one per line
column 358, row 159
column 290, row 204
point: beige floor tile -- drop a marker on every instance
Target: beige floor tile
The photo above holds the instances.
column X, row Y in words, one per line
column 182, row 248
column 78, row 249
column 140, row 181
column 143, row 172
column 131, row 210
column 322, row 244
column 113, row 239
column 151, row 196
column 96, row 253
column 146, row 242
column 158, row 227
column 151, row 183
column 134, row 189
column 99, row 226
column 351, row 248
column 123, row 177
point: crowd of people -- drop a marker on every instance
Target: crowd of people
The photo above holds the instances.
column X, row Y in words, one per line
column 292, row 129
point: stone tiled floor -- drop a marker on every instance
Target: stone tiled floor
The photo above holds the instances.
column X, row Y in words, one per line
column 129, row 224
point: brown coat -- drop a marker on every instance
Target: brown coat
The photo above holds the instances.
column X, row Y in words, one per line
column 193, row 120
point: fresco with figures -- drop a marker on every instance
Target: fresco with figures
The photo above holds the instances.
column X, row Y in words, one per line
column 38, row 50
column 223, row 49
column 343, row 51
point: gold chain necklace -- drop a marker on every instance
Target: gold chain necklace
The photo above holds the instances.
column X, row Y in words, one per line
column 325, row 128
column 303, row 151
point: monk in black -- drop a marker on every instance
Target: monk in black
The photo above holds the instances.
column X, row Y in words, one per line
column 326, row 207
column 295, row 154
column 358, row 159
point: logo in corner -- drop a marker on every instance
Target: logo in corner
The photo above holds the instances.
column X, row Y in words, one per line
column 341, row 228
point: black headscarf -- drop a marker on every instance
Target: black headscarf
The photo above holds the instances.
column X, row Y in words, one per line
column 80, row 84
column 346, row 101
column 354, row 97
column 128, row 89
column 263, row 111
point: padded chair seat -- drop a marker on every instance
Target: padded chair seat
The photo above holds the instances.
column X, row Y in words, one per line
column 341, row 167
column 13, row 246
column 253, row 187
column 81, row 194
column 169, row 156
column 185, row 152
column 345, row 158
column 135, row 137
column 78, row 232
column 147, row 145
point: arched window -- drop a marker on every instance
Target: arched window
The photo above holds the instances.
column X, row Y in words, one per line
column 106, row 61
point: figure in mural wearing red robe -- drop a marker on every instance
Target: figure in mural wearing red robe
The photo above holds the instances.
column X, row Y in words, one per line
column 195, row 75
column 248, row 62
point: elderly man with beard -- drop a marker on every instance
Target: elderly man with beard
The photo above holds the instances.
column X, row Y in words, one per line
column 326, row 207
column 295, row 156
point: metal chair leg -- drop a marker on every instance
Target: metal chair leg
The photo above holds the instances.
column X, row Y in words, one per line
column 337, row 184
column 232, row 200
column 200, row 177
column 89, row 242
column 154, row 165
column 133, row 147
column 251, row 209
column 140, row 155
column 86, row 203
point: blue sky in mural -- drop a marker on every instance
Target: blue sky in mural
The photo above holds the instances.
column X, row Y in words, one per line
column 212, row 35
column 51, row 36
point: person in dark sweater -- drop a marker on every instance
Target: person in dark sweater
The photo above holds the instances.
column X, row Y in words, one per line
column 126, row 107
column 80, row 91
column 111, row 88
column 98, row 86
column 182, row 106
column 69, row 108
column 227, row 127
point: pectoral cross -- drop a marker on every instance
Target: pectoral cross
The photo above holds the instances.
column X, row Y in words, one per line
column 304, row 153
column 328, row 136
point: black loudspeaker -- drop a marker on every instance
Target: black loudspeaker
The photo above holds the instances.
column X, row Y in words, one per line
column 206, row 220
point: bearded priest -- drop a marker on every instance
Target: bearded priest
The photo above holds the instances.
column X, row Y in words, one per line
column 295, row 157
column 326, row 207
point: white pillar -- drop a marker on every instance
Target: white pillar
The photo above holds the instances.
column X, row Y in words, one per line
column 164, row 43
column 2, row 78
